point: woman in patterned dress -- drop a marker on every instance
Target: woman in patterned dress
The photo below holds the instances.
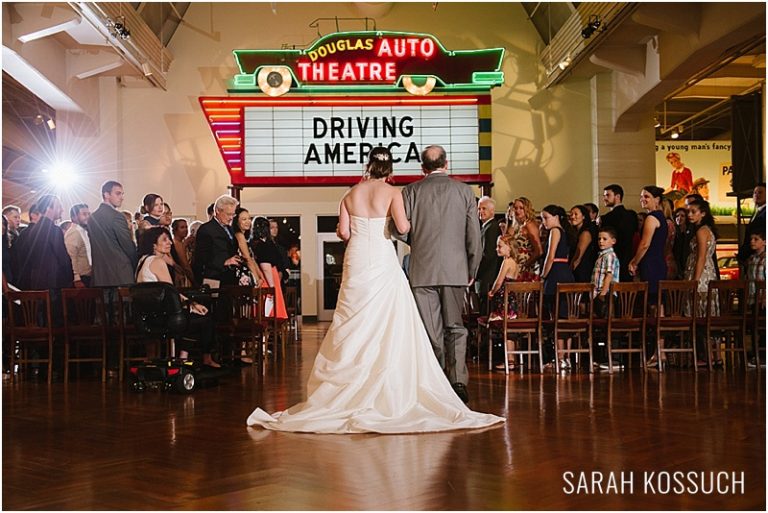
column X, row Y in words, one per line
column 525, row 231
column 700, row 266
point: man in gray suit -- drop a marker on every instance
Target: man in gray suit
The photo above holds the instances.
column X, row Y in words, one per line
column 113, row 254
column 445, row 255
column 112, row 250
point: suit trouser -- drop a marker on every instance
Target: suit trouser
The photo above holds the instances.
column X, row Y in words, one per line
column 440, row 309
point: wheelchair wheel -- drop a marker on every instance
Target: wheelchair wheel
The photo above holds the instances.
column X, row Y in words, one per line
column 185, row 382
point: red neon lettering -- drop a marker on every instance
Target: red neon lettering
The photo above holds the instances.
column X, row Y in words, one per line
column 399, row 47
column 389, row 71
column 349, row 72
column 333, row 71
column 384, row 48
column 318, row 71
column 427, row 48
column 375, row 70
column 303, row 70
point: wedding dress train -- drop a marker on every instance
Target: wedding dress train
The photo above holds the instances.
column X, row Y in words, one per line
column 375, row 370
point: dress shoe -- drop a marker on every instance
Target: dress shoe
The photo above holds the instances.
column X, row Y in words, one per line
column 461, row 391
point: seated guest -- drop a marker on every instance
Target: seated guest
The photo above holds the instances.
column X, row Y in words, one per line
column 154, row 248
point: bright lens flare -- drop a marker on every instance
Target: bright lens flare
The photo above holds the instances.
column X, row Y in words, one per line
column 60, row 175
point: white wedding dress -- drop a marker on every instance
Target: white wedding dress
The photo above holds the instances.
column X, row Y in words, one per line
column 375, row 370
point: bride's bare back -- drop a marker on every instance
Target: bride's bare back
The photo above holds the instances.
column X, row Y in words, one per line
column 372, row 199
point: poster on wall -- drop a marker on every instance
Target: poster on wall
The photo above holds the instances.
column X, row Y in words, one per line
column 703, row 167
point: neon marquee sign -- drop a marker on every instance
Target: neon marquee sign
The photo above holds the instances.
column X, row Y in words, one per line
column 381, row 61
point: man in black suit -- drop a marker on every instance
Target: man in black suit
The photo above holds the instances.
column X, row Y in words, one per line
column 216, row 255
column 490, row 262
column 755, row 225
column 624, row 222
column 39, row 257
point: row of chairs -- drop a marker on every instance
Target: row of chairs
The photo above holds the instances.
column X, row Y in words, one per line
column 629, row 317
column 30, row 324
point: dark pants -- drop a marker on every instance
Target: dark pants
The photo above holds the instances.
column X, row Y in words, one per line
column 201, row 329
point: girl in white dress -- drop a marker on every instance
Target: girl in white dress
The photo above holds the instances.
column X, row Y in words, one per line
column 375, row 370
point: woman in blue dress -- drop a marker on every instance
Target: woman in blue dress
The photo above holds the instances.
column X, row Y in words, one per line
column 556, row 269
column 649, row 262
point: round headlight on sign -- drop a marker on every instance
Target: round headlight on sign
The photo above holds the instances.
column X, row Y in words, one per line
column 423, row 88
column 274, row 80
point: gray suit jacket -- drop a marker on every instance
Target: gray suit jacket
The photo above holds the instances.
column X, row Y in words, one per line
column 445, row 234
column 112, row 250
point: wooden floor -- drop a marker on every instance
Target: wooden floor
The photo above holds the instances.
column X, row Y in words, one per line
column 88, row 446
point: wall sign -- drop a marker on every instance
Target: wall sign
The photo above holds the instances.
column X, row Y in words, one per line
column 325, row 140
column 387, row 61
column 307, row 129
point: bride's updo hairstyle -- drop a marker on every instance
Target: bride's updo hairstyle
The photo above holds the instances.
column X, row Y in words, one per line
column 379, row 163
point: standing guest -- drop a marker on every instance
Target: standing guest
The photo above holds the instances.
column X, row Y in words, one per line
column 113, row 252
column 7, row 270
column 131, row 224
column 667, row 208
column 215, row 250
column 210, row 211
column 39, row 258
column 755, row 265
column 167, row 217
column 490, row 261
column 692, row 229
column 152, row 208
column 445, row 255
column 624, row 222
column 274, row 230
column 64, row 226
column 682, row 240
column 756, row 223
column 268, row 259
column 241, row 226
column 12, row 214
column 594, row 212
column 189, row 242
column 700, row 266
column 155, row 249
column 184, row 276
column 34, row 214
column 556, row 269
column 585, row 250
column 649, row 263
column 79, row 245
column 525, row 230
column 606, row 269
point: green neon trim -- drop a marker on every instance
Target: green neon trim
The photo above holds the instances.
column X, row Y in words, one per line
column 488, row 77
column 244, row 80
column 364, row 89
column 380, row 33
column 237, row 60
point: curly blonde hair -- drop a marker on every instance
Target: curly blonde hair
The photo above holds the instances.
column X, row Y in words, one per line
column 530, row 213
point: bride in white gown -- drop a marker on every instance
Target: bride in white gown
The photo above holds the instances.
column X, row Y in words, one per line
column 375, row 370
